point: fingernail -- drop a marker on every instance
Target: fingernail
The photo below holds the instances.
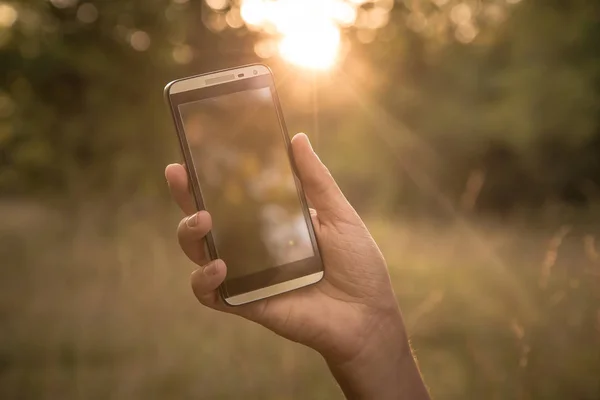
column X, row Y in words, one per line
column 192, row 221
column 166, row 169
column 211, row 269
column 307, row 140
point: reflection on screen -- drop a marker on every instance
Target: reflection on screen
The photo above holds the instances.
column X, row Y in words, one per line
column 246, row 181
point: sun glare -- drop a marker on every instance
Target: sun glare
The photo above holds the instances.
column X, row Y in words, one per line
column 308, row 30
column 316, row 48
column 307, row 33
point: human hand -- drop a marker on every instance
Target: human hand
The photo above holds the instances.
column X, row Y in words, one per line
column 351, row 316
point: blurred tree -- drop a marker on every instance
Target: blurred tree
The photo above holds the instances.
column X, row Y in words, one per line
column 80, row 90
column 527, row 88
column 81, row 107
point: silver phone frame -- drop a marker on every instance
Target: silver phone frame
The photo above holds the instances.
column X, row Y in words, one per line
column 223, row 77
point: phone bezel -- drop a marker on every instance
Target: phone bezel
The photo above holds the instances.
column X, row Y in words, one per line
column 277, row 279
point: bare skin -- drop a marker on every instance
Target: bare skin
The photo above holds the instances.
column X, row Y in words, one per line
column 350, row 317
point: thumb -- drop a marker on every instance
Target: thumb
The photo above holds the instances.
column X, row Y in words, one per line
column 319, row 186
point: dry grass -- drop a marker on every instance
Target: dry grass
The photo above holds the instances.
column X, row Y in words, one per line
column 99, row 307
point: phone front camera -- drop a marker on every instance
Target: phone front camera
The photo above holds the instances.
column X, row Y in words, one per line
column 255, row 72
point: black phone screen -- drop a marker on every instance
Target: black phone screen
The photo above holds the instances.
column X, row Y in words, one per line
column 245, row 176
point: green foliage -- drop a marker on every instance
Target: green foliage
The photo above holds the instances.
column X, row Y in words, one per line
column 84, row 110
column 520, row 103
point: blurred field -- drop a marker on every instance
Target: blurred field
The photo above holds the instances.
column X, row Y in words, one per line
column 98, row 305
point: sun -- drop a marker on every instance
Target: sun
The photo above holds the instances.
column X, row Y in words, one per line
column 307, row 33
column 308, row 30
column 316, row 48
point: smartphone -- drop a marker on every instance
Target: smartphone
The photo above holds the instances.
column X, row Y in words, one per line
column 241, row 169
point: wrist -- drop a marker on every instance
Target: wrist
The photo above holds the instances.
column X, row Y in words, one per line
column 384, row 368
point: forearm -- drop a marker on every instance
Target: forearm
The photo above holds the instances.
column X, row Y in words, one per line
column 384, row 370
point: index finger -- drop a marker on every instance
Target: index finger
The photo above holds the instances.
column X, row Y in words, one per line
column 177, row 180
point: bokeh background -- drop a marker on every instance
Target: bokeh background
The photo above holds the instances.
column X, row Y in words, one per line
column 466, row 132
